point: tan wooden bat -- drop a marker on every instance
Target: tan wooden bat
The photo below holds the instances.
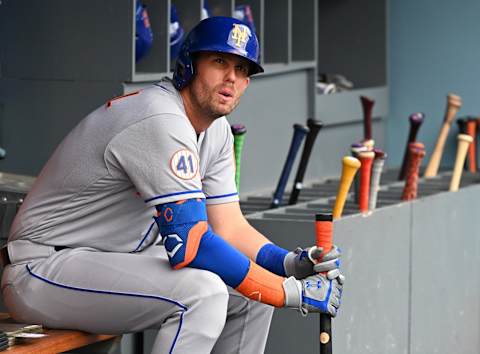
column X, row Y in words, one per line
column 350, row 165
column 464, row 140
column 454, row 103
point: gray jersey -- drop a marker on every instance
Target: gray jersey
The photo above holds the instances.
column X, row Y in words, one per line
column 100, row 186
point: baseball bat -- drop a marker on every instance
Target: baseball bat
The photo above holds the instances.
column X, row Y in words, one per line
column 238, row 131
column 462, row 129
column 314, row 126
column 472, row 153
column 298, row 134
column 462, row 125
column 476, row 140
column 416, row 152
column 367, row 105
column 377, row 167
column 350, row 165
column 369, row 144
column 464, row 141
column 355, row 149
column 324, row 239
column 366, row 159
column 454, row 103
column 416, row 120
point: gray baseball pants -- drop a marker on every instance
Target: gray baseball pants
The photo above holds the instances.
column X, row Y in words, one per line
column 115, row 293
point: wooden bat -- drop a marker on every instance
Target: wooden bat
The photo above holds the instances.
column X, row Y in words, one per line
column 314, row 126
column 324, row 239
column 367, row 106
column 355, row 149
column 377, row 167
column 462, row 129
column 462, row 125
column 464, row 141
column 366, row 159
column 476, row 138
column 369, row 144
column 454, row 103
column 416, row 120
column 238, row 131
column 416, row 152
column 472, row 151
column 350, row 165
column 298, row 134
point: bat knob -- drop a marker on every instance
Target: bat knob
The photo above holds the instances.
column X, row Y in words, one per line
column 417, row 117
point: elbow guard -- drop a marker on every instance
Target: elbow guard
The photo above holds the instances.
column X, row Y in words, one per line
column 189, row 241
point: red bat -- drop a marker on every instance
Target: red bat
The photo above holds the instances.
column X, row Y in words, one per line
column 366, row 158
column 416, row 151
column 472, row 131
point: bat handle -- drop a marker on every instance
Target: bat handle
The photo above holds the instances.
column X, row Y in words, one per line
column 416, row 120
column 366, row 158
column 462, row 125
column 324, row 239
column 367, row 105
column 350, row 165
column 377, row 168
column 454, row 103
column 299, row 133
column 325, row 334
column 464, row 141
column 472, row 131
column 416, row 151
column 238, row 131
column 314, row 126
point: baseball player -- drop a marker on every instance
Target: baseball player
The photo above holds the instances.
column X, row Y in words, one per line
column 134, row 222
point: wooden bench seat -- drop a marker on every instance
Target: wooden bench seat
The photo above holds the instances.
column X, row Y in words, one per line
column 57, row 341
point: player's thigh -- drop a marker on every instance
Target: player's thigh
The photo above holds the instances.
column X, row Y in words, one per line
column 103, row 291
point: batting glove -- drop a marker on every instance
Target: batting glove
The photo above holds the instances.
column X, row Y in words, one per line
column 315, row 293
column 304, row 262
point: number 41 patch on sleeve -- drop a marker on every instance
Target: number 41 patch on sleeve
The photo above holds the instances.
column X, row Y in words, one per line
column 184, row 164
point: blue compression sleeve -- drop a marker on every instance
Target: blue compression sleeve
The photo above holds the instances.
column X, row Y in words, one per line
column 189, row 241
column 271, row 257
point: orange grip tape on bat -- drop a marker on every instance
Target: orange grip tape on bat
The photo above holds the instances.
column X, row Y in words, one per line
column 324, row 239
column 366, row 158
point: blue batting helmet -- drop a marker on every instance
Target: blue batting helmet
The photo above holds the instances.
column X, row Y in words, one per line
column 143, row 32
column 217, row 34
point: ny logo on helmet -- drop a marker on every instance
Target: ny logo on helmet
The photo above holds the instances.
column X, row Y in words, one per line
column 239, row 36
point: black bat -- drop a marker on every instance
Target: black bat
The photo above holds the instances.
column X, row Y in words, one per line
column 299, row 133
column 314, row 126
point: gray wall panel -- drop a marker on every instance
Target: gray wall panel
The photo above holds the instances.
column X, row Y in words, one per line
column 35, row 121
column 374, row 314
column 446, row 273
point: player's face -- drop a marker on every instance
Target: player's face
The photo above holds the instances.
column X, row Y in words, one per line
column 219, row 82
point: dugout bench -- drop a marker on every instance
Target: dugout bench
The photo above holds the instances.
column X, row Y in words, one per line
column 58, row 341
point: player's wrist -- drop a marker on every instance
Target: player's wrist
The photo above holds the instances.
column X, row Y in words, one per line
column 293, row 294
column 272, row 258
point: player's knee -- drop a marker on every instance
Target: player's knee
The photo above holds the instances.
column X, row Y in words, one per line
column 211, row 285
column 211, row 300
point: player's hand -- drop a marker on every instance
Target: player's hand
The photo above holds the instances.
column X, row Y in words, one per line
column 315, row 293
column 304, row 262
